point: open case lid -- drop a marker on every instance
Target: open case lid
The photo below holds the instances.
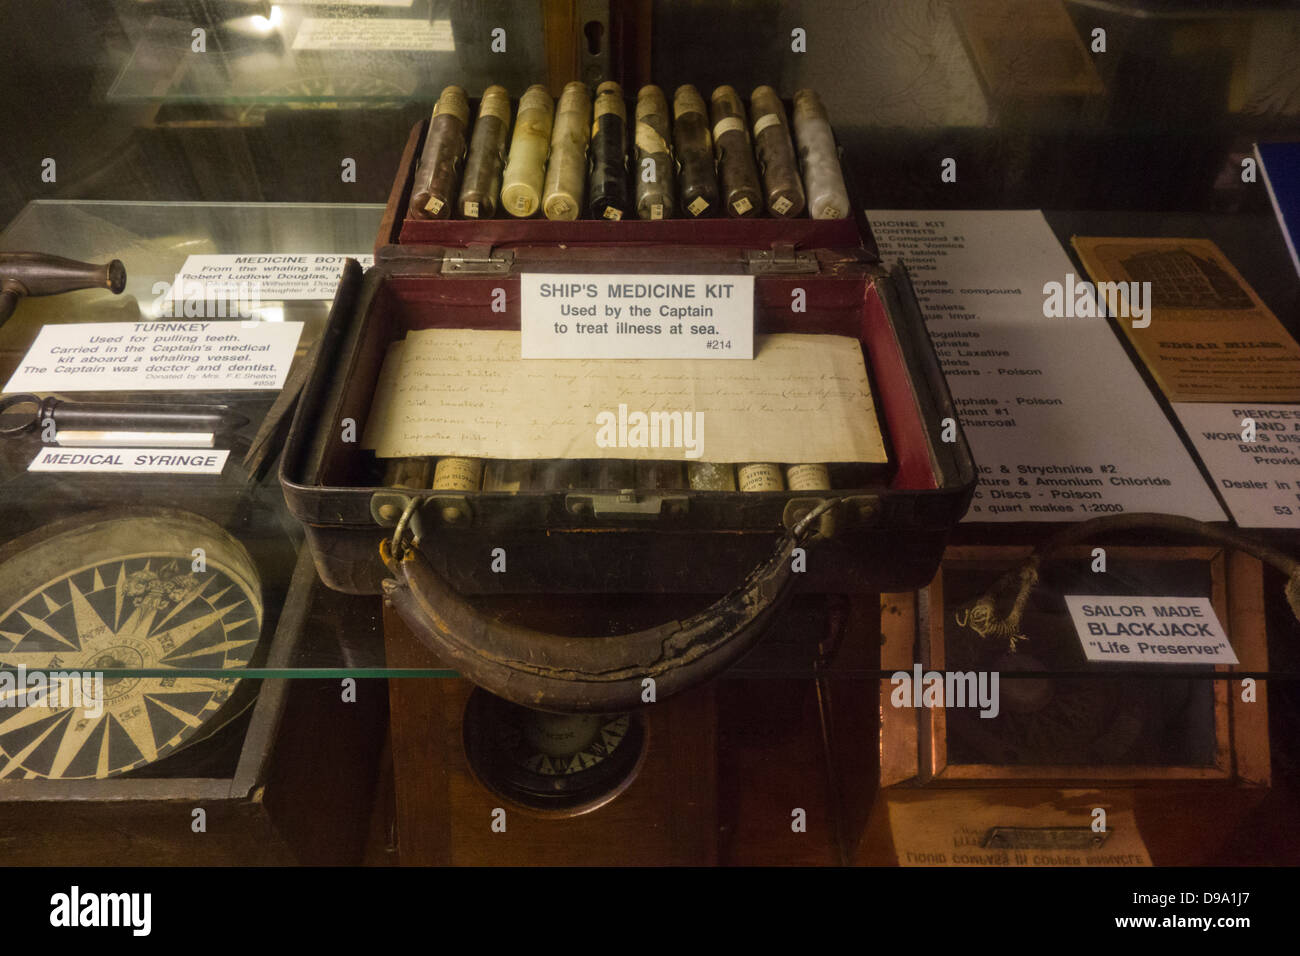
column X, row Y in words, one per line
column 434, row 288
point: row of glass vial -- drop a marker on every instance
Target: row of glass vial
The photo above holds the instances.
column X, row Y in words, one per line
column 705, row 160
column 615, row 474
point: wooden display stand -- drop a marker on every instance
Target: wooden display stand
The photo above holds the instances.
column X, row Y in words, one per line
column 724, row 768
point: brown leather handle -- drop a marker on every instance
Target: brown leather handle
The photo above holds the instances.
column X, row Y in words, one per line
column 587, row 674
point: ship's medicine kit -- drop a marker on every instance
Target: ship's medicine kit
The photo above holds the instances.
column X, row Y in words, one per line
column 822, row 425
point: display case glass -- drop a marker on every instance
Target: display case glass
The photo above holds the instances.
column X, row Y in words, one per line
column 1002, row 160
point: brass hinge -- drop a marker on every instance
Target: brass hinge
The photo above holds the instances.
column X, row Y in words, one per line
column 476, row 259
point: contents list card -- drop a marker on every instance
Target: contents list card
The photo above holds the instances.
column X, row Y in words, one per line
column 1061, row 425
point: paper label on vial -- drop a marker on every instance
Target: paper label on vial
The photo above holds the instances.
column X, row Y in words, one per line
column 764, row 121
column 761, row 477
column 497, row 106
column 599, row 315
column 656, row 210
column 458, row 474
column 649, row 141
column 781, row 206
column 811, row 477
column 742, row 206
column 698, row 205
column 613, row 213
column 731, row 124
column 471, row 210
column 434, row 205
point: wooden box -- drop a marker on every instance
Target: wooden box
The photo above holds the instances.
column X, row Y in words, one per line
column 1177, row 763
column 301, row 763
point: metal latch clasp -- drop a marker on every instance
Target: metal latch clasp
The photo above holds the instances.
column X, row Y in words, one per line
column 627, row 503
column 781, row 259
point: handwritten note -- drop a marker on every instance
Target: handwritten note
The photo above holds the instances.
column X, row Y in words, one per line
column 803, row 398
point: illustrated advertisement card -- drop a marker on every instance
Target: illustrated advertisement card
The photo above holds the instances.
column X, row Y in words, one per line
column 1207, row 336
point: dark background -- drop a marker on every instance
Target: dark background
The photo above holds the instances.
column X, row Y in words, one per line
column 1160, row 121
column 1146, row 138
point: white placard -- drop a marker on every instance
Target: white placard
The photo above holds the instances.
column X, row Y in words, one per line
column 1149, row 630
column 266, row 276
column 1260, row 479
column 953, row 830
column 1059, row 421
column 355, row 33
column 159, row 461
column 157, row 356
column 637, row 316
